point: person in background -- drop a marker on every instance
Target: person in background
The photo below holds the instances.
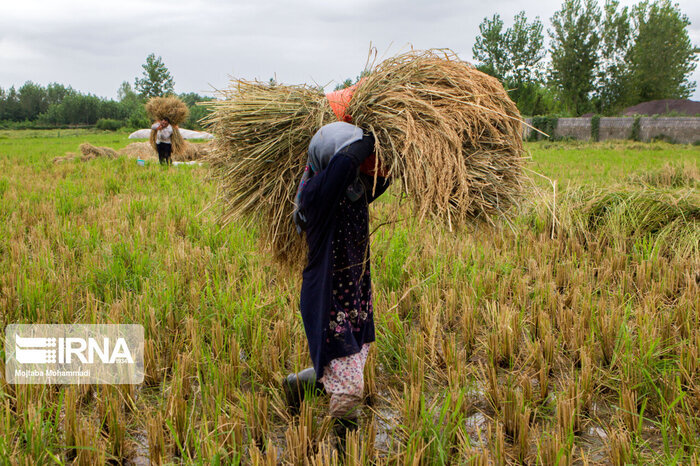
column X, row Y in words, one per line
column 336, row 293
column 163, row 142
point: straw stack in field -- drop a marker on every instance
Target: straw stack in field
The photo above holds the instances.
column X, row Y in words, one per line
column 91, row 152
column 448, row 134
column 174, row 110
column 192, row 152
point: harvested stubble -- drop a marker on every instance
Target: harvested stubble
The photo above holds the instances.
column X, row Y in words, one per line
column 446, row 132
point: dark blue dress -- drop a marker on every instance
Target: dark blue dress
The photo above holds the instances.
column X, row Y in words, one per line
column 336, row 293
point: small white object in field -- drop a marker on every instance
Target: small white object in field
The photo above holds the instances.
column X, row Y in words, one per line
column 186, row 134
column 191, row 162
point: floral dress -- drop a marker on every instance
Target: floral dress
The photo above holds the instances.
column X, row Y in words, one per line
column 336, row 293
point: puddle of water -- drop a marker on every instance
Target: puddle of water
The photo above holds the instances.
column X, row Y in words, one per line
column 597, row 433
column 140, row 455
column 387, row 420
column 476, row 422
column 477, row 428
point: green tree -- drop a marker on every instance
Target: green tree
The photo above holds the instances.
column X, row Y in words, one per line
column 156, row 81
column 525, row 42
column 197, row 112
column 491, row 47
column 345, row 84
column 133, row 106
column 662, row 57
column 514, row 54
column 76, row 109
column 126, row 92
column 613, row 88
column 349, row 82
column 191, row 98
column 574, row 49
column 32, row 100
column 55, row 93
column 3, row 104
column 128, row 98
column 10, row 108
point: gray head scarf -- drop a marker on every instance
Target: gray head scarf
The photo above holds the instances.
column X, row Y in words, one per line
column 327, row 141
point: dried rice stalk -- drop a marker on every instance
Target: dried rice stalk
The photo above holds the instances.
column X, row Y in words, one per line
column 192, row 151
column 90, row 152
column 262, row 135
column 176, row 139
column 171, row 108
column 448, row 133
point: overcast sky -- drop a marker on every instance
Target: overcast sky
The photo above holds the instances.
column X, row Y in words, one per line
column 96, row 45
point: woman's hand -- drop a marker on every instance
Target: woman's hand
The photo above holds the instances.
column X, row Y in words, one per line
column 370, row 166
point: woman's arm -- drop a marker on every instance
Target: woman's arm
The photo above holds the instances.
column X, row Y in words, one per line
column 382, row 185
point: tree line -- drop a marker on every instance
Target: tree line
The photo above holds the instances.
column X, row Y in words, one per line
column 56, row 105
column 599, row 60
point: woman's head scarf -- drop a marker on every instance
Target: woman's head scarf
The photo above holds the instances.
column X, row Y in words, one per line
column 327, row 142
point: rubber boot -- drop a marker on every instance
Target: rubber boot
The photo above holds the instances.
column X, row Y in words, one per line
column 341, row 427
column 297, row 386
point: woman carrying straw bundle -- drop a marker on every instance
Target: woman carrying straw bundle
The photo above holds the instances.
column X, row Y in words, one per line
column 168, row 113
column 336, row 295
column 163, row 144
column 448, row 133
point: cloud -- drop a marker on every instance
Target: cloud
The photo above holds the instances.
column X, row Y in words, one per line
column 94, row 46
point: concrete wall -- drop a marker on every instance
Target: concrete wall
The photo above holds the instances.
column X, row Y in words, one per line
column 684, row 130
column 574, row 128
column 678, row 129
column 615, row 128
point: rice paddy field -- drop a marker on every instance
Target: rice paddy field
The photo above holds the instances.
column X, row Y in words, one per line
column 569, row 334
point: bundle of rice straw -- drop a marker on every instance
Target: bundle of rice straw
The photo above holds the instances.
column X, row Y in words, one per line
column 69, row 157
column 90, row 152
column 193, row 151
column 174, row 110
column 448, row 134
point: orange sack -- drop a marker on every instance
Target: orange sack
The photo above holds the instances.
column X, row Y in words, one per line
column 339, row 101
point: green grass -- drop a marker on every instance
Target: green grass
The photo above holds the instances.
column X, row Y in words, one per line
column 581, row 163
column 469, row 324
